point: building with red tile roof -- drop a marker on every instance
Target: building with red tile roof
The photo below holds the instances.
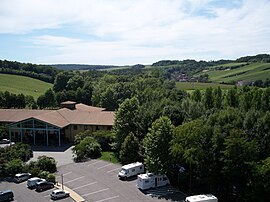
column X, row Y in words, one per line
column 54, row 127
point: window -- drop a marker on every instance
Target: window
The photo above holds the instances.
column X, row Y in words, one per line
column 164, row 178
column 85, row 127
column 133, row 170
column 75, row 127
column 146, row 181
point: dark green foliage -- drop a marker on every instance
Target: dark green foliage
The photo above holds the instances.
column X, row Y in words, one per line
column 46, row 164
column 130, row 150
column 157, row 147
column 87, row 148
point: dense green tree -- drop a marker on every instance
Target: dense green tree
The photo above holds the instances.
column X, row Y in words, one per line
column 87, row 148
column 196, row 95
column 187, row 145
column 61, row 80
column 130, row 150
column 126, row 120
column 46, row 163
column 238, row 157
column 157, row 147
column 232, row 98
column 208, row 98
column 218, row 97
column 75, row 82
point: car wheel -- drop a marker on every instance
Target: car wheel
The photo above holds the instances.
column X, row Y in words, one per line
column 125, row 177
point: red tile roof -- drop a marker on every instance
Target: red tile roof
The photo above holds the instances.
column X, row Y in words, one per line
column 83, row 114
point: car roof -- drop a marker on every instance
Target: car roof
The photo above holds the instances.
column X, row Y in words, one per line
column 20, row 174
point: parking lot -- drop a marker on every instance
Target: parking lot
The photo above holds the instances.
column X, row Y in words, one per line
column 23, row 194
column 94, row 180
column 97, row 181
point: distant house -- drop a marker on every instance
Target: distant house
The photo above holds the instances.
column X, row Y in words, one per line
column 54, row 127
column 244, row 83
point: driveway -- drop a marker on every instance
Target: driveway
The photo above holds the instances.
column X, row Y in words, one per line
column 62, row 155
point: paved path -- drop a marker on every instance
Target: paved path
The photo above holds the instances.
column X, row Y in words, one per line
column 62, row 155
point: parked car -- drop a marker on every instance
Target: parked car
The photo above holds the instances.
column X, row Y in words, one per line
column 20, row 177
column 4, row 141
column 32, row 182
column 44, row 185
column 59, row 193
column 6, row 195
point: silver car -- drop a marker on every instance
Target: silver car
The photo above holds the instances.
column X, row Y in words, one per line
column 59, row 193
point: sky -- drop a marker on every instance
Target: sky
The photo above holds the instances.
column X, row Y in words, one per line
column 128, row 32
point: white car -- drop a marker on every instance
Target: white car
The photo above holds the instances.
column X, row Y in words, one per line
column 20, row 177
column 59, row 193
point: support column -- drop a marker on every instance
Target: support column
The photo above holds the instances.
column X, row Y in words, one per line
column 47, row 138
column 21, row 134
column 9, row 134
column 34, row 135
column 59, row 139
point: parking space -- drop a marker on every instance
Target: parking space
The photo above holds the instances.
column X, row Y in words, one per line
column 97, row 181
column 23, row 194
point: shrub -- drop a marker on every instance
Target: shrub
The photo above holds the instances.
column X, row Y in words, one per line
column 87, row 148
column 46, row 163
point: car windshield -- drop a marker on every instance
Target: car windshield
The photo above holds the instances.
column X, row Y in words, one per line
column 123, row 171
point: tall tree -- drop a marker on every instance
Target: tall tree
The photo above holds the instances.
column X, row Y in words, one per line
column 130, row 149
column 126, row 120
column 157, row 146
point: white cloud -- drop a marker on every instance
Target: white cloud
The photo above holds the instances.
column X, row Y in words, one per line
column 139, row 31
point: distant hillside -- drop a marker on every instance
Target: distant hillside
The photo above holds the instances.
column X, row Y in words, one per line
column 41, row 72
column 82, row 67
column 233, row 72
column 23, row 84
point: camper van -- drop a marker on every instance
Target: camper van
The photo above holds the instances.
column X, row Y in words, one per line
column 149, row 180
column 202, row 198
column 131, row 170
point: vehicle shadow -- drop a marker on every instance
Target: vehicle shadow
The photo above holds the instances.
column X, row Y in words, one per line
column 168, row 193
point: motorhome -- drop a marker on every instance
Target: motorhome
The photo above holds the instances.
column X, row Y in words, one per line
column 131, row 170
column 149, row 180
column 202, row 198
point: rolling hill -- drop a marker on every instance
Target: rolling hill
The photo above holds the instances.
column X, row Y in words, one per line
column 22, row 84
column 233, row 72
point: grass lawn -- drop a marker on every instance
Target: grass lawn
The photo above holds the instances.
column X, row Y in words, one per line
column 109, row 156
column 21, row 84
column 200, row 86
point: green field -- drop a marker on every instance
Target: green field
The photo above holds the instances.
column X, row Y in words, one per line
column 250, row 72
column 22, row 84
column 201, row 86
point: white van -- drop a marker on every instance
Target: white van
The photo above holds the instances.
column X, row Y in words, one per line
column 202, row 198
column 32, row 182
column 131, row 170
column 149, row 180
column 20, row 177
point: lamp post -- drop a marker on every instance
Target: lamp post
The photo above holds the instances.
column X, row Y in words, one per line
column 62, row 177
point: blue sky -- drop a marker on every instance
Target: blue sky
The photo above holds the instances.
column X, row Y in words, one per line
column 130, row 32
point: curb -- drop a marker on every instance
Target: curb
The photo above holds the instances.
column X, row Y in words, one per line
column 74, row 195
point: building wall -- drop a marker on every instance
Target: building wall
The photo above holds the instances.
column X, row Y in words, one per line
column 72, row 130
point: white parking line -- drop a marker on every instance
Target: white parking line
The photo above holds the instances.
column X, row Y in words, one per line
column 94, row 163
column 47, row 196
column 85, row 185
column 64, row 174
column 95, row 192
column 106, row 199
column 113, row 170
column 73, row 180
column 105, row 166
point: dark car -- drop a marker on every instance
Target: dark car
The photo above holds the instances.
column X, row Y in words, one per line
column 6, row 195
column 44, row 185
